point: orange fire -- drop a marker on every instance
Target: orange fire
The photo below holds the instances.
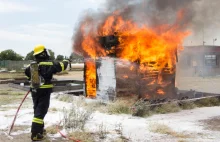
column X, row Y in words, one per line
column 90, row 79
column 160, row 92
column 125, row 76
column 154, row 48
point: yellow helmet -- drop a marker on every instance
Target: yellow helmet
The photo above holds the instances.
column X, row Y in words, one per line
column 39, row 49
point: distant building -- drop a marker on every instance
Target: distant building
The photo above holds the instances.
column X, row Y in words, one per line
column 200, row 61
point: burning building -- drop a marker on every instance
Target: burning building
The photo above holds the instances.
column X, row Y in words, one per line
column 149, row 50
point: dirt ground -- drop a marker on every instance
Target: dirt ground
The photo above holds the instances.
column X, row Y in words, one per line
column 72, row 75
column 191, row 121
column 212, row 123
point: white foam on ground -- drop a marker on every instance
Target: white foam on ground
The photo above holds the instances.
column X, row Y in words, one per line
column 135, row 128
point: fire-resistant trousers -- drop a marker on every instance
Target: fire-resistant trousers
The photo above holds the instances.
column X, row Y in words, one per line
column 41, row 101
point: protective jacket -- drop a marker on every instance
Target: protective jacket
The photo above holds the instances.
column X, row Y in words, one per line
column 46, row 71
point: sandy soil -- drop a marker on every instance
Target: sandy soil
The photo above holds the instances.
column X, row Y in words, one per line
column 208, row 84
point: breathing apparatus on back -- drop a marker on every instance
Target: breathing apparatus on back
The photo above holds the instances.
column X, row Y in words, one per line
column 41, row 54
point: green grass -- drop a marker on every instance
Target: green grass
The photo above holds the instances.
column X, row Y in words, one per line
column 209, row 102
column 187, row 105
column 167, row 108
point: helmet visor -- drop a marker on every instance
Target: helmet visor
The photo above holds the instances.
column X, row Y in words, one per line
column 47, row 51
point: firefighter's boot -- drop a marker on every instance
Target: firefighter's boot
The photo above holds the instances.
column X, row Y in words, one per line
column 38, row 137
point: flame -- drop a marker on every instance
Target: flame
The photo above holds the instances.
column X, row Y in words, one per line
column 125, row 76
column 154, row 48
column 151, row 83
column 90, row 79
column 132, row 68
column 147, row 96
column 160, row 92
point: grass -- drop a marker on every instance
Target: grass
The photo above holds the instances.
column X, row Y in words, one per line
column 10, row 92
column 51, row 130
column 187, row 105
column 83, row 136
column 20, row 128
column 16, row 75
column 208, row 102
column 9, row 96
column 167, row 108
column 7, row 99
column 166, row 130
column 122, row 105
column 119, row 108
column 127, row 105
column 65, row 98
column 2, row 92
column 54, row 109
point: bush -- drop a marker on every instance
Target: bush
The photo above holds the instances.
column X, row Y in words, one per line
column 76, row 117
column 167, row 108
column 141, row 108
column 187, row 105
column 208, row 102
column 65, row 98
column 119, row 108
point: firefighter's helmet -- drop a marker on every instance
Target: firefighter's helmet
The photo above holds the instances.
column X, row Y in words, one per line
column 39, row 49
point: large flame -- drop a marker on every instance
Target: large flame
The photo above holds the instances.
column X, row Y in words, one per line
column 90, row 79
column 154, row 48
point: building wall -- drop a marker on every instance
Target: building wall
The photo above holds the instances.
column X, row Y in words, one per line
column 199, row 61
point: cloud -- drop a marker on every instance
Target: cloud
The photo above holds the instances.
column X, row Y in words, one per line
column 47, row 29
column 54, row 36
column 7, row 6
column 96, row 1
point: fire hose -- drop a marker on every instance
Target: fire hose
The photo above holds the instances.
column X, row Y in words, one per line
column 15, row 117
column 64, row 136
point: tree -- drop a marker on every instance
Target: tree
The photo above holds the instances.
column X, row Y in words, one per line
column 30, row 55
column 52, row 54
column 60, row 57
column 10, row 55
column 75, row 56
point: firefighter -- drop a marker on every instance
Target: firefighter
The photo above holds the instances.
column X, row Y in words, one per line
column 41, row 95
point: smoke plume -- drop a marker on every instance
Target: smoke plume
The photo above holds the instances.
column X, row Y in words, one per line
column 196, row 16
